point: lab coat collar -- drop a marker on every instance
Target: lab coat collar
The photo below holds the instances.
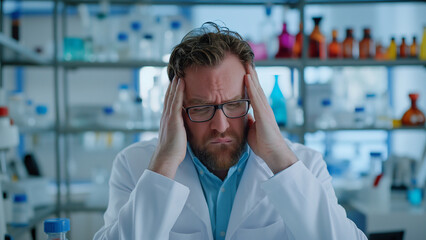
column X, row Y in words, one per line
column 249, row 193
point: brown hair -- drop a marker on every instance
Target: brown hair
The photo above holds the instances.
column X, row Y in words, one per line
column 207, row 46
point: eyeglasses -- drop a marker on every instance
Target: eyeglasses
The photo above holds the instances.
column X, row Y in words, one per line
column 204, row 113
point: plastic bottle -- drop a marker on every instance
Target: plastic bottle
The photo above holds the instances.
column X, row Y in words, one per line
column 171, row 38
column 370, row 109
column 21, row 209
column 101, row 38
column 123, row 106
column 359, row 117
column 155, row 95
column 122, row 47
column 134, row 40
column 278, row 104
column 317, row 41
column 56, row 228
column 376, row 164
column 326, row 120
column 147, row 47
column 286, row 42
column 268, row 33
column 42, row 119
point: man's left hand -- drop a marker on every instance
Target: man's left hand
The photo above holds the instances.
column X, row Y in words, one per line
column 264, row 135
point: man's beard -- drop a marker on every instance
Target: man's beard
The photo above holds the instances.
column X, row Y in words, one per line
column 223, row 156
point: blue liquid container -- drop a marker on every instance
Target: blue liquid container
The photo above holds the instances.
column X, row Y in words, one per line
column 56, row 228
column 278, row 104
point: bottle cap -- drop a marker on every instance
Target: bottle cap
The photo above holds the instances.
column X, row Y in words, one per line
column 108, row 110
column 56, row 225
column 375, row 154
column 268, row 10
column 370, row 95
column 41, row 110
column 175, row 25
column 317, row 20
column 299, row 102
column 124, row 87
column 148, row 36
column 20, row 197
column 4, row 112
column 15, row 15
column 122, row 37
column 326, row 102
column 101, row 15
column 359, row 109
column 136, row 26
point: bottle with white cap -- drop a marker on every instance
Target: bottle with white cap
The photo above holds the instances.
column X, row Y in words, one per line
column 56, row 228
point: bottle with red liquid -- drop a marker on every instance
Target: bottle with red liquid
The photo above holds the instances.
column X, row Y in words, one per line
column 403, row 49
column 365, row 45
column 334, row 48
column 348, row 44
column 317, row 41
column 286, row 42
column 413, row 116
column 298, row 44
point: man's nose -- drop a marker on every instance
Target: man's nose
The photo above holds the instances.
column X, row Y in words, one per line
column 219, row 122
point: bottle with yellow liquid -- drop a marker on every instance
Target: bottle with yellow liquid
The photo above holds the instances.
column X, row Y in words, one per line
column 392, row 50
column 422, row 54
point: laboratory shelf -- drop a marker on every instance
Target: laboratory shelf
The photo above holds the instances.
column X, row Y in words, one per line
column 26, row 63
column 83, row 207
column 311, row 130
column 119, row 64
column 26, row 130
column 363, row 63
column 188, row 2
column 294, row 63
column 40, row 213
column 333, row 2
column 21, row 51
column 77, row 130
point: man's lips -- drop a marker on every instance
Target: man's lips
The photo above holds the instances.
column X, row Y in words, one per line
column 225, row 140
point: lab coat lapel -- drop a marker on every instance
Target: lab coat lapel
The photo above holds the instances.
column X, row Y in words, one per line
column 249, row 193
column 187, row 175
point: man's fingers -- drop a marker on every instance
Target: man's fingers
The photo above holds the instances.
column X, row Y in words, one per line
column 176, row 107
column 171, row 96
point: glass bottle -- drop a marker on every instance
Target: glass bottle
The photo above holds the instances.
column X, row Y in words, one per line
column 334, row 48
column 365, row 45
column 317, row 41
column 286, row 42
column 278, row 104
column 268, row 32
column 298, row 44
column 392, row 51
column 422, row 54
column 122, row 46
column 413, row 48
column 134, row 39
column 56, row 228
column 155, row 95
column 403, row 49
column 380, row 54
column 413, row 116
column 348, row 44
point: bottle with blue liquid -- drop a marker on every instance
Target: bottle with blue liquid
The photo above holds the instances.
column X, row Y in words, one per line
column 278, row 104
column 56, row 228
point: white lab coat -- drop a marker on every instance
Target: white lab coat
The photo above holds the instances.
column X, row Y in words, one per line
column 298, row 203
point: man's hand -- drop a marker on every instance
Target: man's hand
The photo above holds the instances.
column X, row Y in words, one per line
column 171, row 148
column 264, row 135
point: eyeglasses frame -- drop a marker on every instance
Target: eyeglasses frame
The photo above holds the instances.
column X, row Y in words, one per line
column 216, row 107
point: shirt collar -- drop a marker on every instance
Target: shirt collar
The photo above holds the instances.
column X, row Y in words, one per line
column 201, row 169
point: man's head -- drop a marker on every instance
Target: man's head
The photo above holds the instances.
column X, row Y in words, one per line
column 211, row 60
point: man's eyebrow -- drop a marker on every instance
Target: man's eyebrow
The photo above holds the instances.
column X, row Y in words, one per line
column 196, row 101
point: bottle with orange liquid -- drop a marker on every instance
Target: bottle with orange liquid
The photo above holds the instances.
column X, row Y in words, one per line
column 413, row 48
column 348, row 44
column 334, row 48
column 403, row 49
column 392, row 51
column 298, row 44
column 366, row 45
column 413, row 116
column 317, row 41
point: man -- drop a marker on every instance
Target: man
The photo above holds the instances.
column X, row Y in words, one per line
column 217, row 172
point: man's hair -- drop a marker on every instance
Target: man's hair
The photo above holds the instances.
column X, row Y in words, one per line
column 207, row 46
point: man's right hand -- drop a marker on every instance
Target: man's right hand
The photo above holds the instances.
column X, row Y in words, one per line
column 171, row 148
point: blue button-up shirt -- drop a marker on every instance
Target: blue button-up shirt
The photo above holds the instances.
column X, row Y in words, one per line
column 220, row 194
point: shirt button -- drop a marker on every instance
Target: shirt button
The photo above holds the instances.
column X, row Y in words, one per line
column 222, row 189
column 222, row 234
column 201, row 172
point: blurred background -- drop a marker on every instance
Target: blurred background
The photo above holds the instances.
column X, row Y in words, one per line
column 83, row 79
